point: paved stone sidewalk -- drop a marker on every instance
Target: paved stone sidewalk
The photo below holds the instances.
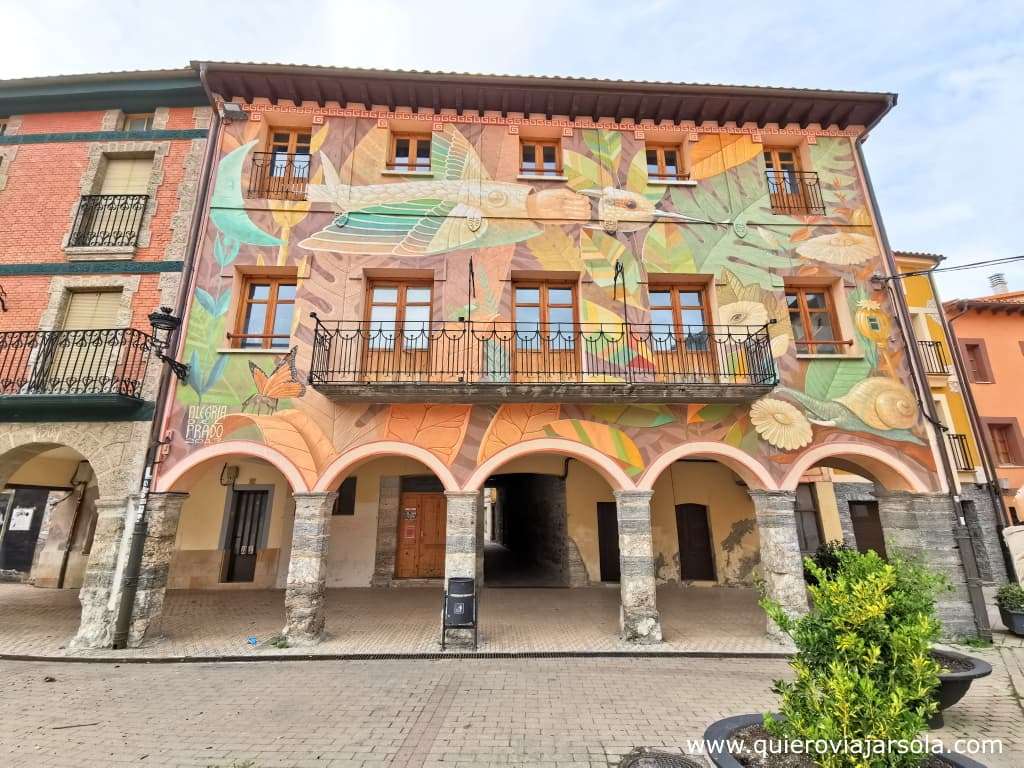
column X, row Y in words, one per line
column 474, row 712
column 402, row 620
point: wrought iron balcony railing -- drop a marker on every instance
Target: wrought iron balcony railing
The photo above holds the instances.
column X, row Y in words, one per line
column 933, row 356
column 960, row 452
column 278, row 176
column 676, row 362
column 93, row 362
column 108, row 220
column 796, row 192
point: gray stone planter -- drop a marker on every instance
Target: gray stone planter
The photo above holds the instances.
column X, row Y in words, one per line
column 724, row 729
column 1014, row 620
column 953, row 685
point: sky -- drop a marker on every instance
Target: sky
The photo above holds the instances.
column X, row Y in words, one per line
column 947, row 163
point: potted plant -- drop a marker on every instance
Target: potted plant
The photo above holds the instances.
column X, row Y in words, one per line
column 864, row 673
column 956, row 674
column 1010, row 599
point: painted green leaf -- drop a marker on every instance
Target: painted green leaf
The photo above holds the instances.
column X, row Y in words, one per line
column 636, row 179
column 599, row 253
column 734, row 436
column 608, row 440
column 717, row 412
column 606, row 146
column 829, row 379
column 666, row 250
column 639, row 415
column 581, row 171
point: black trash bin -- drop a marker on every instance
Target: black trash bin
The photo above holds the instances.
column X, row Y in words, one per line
column 459, row 609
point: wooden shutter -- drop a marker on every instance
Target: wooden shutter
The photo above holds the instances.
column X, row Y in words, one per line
column 127, row 176
column 92, row 310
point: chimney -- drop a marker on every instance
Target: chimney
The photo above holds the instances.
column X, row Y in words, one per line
column 998, row 283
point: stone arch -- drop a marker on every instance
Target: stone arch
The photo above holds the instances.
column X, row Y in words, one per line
column 185, row 472
column 743, row 464
column 604, row 465
column 350, row 459
column 881, row 466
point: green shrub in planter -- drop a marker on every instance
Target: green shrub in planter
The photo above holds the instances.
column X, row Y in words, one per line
column 863, row 664
column 1010, row 597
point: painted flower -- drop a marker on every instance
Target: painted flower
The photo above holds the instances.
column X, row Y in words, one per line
column 780, row 424
column 872, row 322
column 841, row 248
column 744, row 313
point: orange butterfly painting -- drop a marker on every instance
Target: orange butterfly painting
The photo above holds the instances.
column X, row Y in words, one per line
column 283, row 382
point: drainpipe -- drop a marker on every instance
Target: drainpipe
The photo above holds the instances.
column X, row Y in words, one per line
column 961, row 534
column 132, row 567
column 987, row 464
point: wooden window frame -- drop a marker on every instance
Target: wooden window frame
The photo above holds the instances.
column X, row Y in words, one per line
column 544, row 306
column 274, row 283
column 292, row 145
column 776, row 164
column 983, row 374
column 401, row 304
column 538, row 157
column 411, row 165
column 129, row 116
column 681, row 174
column 1014, row 441
column 809, row 343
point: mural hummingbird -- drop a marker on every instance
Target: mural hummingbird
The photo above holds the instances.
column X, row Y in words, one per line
column 460, row 207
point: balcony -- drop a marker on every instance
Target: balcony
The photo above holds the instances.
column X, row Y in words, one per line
column 52, row 375
column 475, row 361
column 277, row 176
column 960, row 452
column 108, row 221
column 795, row 192
column 934, row 358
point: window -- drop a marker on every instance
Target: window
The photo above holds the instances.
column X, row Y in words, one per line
column 266, row 312
column 395, row 306
column 409, row 152
column 540, row 158
column 976, row 357
column 782, row 161
column 545, row 316
column 791, row 190
column 808, row 522
column 1003, row 443
column 345, row 503
column 289, row 160
column 137, row 122
column 679, row 312
column 92, row 310
column 665, row 163
column 126, row 176
column 813, row 317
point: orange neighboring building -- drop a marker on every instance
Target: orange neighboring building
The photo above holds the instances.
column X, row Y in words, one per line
column 989, row 331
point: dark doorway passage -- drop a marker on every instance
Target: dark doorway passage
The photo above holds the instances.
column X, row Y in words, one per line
column 21, row 516
column 867, row 526
column 248, row 513
column 696, row 560
column 608, row 540
column 526, row 533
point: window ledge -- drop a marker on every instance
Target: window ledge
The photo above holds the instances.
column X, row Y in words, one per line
column 671, row 182
column 392, row 172
column 259, row 351
column 836, row 356
column 100, row 252
column 541, row 177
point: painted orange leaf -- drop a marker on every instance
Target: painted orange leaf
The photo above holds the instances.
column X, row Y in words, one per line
column 515, row 423
column 713, row 155
column 292, row 433
column 610, row 441
column 438, row 428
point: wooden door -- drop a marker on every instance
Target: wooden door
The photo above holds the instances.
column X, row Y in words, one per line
column 20, row 520
column 608, row 540
column 247, row 521
column 867, row 526
column 421, row 536
column 696, row 560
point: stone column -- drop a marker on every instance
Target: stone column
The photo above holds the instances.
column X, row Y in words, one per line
column 163, row 510
column 920, row 526
column 387, row 530
column 781, row 559
column 638, row 613
column 96, row 628
column 846, row 523
column 307, row 568
column 462, row 530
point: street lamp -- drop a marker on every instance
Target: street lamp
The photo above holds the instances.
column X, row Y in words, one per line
column 164, row 321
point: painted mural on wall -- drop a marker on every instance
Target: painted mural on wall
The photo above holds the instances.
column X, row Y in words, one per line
column 605, row 213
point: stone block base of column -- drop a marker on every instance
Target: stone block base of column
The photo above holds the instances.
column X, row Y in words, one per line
column 640, row 628
column 304, row 615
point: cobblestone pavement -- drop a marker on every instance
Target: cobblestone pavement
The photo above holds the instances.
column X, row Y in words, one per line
column 471, row 712
column 401, row 620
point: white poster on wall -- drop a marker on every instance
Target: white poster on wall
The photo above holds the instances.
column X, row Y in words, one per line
column 21, row 519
